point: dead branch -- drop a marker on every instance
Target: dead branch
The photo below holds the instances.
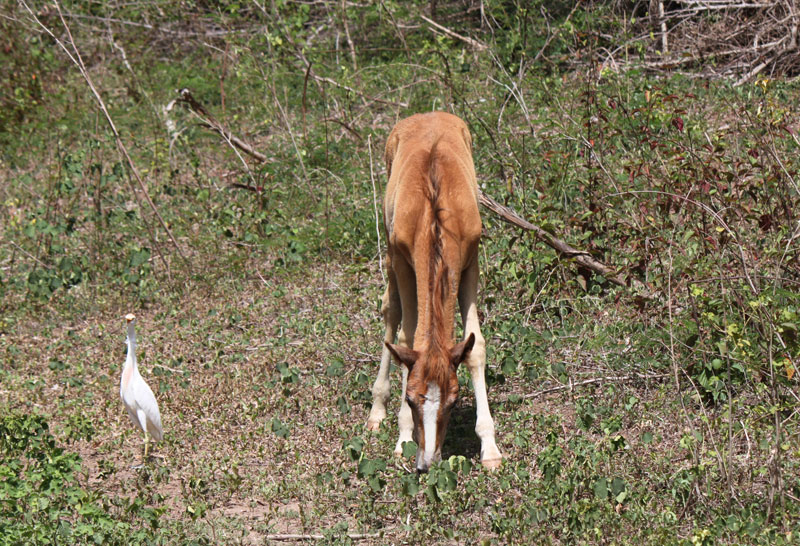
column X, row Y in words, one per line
column 754, row 71
column 565, row 250
column 290, row 536
column 207, row 120
column 745, row 38
column 349, row 39
column 346, row 126
column 375, row 207
column 605, row 379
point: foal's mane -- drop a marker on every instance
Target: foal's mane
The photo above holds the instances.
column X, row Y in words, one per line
column 438, row 368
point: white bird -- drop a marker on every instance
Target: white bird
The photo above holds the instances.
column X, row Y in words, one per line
column 137, row 395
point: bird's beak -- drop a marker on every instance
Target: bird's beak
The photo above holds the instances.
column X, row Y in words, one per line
column 130, row 318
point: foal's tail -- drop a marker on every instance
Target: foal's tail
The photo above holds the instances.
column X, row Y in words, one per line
column 435, row 176
column 438, row 269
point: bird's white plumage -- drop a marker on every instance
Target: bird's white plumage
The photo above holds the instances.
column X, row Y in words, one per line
column 136, row 394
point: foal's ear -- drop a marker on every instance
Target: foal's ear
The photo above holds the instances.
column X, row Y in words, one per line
column 403, row 355
column 460, row 352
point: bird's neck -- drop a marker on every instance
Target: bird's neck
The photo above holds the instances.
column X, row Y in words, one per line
column 131, row 360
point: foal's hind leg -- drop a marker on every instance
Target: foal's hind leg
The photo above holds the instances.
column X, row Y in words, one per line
column 476, row 362
column 392, row 314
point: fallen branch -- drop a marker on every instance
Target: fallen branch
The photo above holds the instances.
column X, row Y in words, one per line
column 608, row 378
column 207, row 120
column 755, row 71
column 290, row 536
column 565, row 250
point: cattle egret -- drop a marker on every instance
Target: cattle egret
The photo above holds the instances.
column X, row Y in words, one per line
column 137, row 395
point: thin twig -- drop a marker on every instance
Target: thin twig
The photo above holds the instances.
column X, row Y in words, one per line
column 207, row 120
column 375, row 205
column 480, row 46
column 297, row 151
column 347, row 126
column 291, row 536
column 349, row 39
column 356, row 92
column 304, row 104
column 173, row 370
column 608, row 378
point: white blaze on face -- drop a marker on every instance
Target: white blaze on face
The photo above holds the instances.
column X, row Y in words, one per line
column 430, row 417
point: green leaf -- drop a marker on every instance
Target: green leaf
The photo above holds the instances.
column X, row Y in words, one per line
column 376, row 483
column 138, row 257
column 354, row 448
column 370, row 467
column 432, row 493
column 459, row 463
column 366, row 467
column 410, row 483
column 447, row 480
column 409, row 449
column 509, row 365
column 336, row 369
column 279, row 429
column 617, row 486
column 343, row 405
column 601, row 488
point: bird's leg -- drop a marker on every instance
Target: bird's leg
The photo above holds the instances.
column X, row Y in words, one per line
column 146, row 445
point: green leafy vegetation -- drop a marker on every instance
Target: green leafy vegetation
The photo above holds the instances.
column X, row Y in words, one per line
column 43, row 500
column 665, row 411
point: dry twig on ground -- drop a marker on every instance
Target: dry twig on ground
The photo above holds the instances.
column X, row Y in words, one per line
column 597, row 380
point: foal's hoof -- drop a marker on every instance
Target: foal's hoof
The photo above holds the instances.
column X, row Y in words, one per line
column 492, row 464
column 373, row 425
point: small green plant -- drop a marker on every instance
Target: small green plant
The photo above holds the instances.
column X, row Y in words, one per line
column 79, row 427
column 42, row 500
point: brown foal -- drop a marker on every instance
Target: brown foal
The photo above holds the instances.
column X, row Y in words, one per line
column 433, row 228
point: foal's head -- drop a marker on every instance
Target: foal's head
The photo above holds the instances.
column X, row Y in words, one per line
column 431, row 393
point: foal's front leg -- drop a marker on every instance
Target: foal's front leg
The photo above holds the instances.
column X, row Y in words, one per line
column 380, row 390
column 476, row 363
column 407, row 293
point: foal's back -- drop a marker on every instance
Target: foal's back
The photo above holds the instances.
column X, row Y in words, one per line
column 424, row 146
